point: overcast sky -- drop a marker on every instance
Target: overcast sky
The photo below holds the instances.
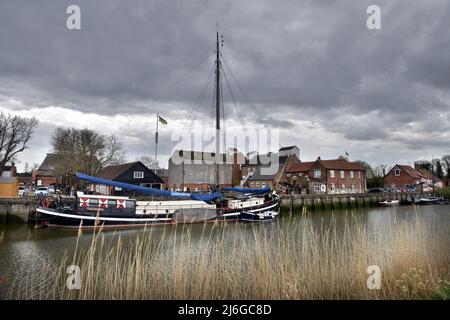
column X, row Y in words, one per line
column 310, row 69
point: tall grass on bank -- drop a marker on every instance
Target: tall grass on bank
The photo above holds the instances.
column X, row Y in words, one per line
column 444, row 192
column 283, row 260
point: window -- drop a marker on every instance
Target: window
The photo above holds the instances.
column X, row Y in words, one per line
column 288, row 175
column 300, row 174
column 331, row 173
column 397, row 172
column 112, row 203
column 359, row 174
column 353, row 188
column 138, row 174
column 333, row 188
column 343, row 188
column 129, row 204
column 352, row 174
column 93, row 202
column 317, row 173
column 317, row 187
column 342, row 174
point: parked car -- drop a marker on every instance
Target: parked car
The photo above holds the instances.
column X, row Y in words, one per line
column 42, row 191
column 375, row 190
column 22, row 191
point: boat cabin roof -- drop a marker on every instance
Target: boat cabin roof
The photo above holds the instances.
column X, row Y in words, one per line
column 101, row 196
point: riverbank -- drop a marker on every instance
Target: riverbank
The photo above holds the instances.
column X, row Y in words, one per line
column 317, row 202
column 323, row 255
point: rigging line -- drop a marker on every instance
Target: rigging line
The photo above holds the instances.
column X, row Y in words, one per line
column 185, row 75
column 198, row 101
column 170, row 87
column 235, row 104
column 195, row 106
column 242, row 92
column 201, row 101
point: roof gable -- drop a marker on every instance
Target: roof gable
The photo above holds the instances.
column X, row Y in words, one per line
column 47, row 166
column 410, row 171
column 114, row 171
column 118, row 172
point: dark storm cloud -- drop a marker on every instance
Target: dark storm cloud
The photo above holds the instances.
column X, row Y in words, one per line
column 296, row 60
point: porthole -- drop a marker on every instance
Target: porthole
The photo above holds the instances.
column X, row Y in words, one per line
column 144, row 211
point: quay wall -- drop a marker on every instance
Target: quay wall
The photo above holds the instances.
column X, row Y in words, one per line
column 17, row 210
column 295, row 203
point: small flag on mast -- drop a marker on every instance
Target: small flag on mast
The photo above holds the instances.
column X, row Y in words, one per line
column 162, row 120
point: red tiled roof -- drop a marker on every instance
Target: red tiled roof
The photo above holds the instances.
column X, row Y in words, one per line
column 341, row 164
column 300, row 167
column 334, row 164
column 410, row 171
column 427, row 174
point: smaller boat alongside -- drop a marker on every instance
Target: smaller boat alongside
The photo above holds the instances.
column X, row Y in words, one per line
column 389, row 203
column 252, row 216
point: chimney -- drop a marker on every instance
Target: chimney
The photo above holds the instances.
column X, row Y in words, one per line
column 318, row 158
column 13, row 170
column 416, row 165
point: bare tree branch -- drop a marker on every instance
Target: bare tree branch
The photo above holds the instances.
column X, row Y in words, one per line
column 85, row 150
column 15, row 133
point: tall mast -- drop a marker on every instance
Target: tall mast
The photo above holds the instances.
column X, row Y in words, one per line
column 217, row 109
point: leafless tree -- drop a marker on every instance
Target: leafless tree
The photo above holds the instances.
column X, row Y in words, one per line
column 446, row 161
column 85, row 150
column 15, row 133
column 149, row 162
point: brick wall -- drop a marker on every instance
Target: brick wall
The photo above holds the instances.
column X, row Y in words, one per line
column 393, row 181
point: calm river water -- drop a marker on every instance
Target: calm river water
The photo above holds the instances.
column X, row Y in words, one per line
column 24, row 249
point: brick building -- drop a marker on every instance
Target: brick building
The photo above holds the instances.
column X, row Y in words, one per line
column 404, row 175
column 195, row 171
column 328, row 176
column 46, row 175
column 269, row 169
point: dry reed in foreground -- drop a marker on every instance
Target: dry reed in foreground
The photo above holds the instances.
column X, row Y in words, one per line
column 292, row 260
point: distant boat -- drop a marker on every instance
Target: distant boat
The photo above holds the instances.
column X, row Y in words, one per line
column 389, row 203
column 429, row 200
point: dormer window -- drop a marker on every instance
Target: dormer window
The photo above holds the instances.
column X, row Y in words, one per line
column 138, row 174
